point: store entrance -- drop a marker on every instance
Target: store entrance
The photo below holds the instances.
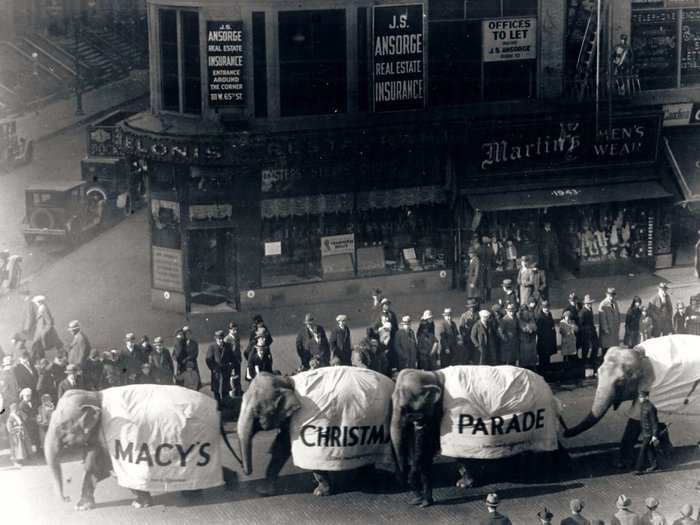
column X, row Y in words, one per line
column 213, row 270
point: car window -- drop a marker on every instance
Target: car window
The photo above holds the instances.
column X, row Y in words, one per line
column 42, row 198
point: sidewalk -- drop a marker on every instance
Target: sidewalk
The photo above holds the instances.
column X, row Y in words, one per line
column 60, row 115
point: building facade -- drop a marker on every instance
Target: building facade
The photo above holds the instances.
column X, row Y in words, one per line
column 332, row 147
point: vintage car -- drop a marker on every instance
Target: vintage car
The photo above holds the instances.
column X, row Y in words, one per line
column 60, row 210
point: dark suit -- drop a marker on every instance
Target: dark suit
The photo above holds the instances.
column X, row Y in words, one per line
column 131, row 361
column 484, row 339
column 340, row 344
column 26, row 377
column 309, row 347
column 649, row 424
column 65, row 385
column 546, row 339
column 79, row 350
column 476, row 279
column 186, row 351
column 448, row 342
column 509, row 338
column 662, row 315
column 220, row 359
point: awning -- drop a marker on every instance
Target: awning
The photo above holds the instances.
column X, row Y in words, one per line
column 683, row 154
column 568, row 196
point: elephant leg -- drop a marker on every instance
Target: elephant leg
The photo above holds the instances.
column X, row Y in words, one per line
column 97, row 467
column 87, row 492
column 323, row 481
column 142, row 499
column 281, row 451
column 629, row 439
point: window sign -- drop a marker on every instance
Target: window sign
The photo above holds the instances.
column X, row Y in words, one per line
column 225, row 63
column 398, row 57
column 507, row 39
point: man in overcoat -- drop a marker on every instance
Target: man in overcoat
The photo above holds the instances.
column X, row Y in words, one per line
column 219, row 360
column 509, row 336
column 448, row 337
column 79, row 347
column 339, row 341
column 661, row 311
column 485, row 339
column 312, row 343
column 466, row 323
column 476, row 277
column 609, row 321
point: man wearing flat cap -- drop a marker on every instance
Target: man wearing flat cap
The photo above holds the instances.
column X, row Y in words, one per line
column 609, row 321
column 71, row 381
column 649, row 436
column 387, row 316
column 494, row 517
column 652, row 516
column 161, row 363
column 465, row 325
column 219, row 360
column 509, row 336
column 448, row 337
column 661, row 312
column 484, row 339
column 312, row 343
column 624, row 515
column 133, row 356
column 576, row 518
column 79, row 347
column 686, row 516
column 340, row 343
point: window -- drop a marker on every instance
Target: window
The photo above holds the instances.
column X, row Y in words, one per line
column 666, row 47
column 259, row 64
column 497, row 8
column 312, row 62
column 181, row 89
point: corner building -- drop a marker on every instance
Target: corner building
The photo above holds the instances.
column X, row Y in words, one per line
column 326, row 148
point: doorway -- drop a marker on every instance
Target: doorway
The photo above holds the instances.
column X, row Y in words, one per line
column 213, row 270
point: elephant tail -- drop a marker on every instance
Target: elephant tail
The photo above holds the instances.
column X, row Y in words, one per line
column 228, row 444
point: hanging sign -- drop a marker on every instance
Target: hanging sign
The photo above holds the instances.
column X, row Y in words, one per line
column 335, row 244
column 506, row 39
column 167, row 269
column 225, row 63
column 397, row 43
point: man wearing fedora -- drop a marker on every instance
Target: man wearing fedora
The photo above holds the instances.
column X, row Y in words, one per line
column 624, row 514
column 686, row 516
column 132, row 358
column 406, row 345
column 576, row 518
column 79, row 347
column 525, row 280
column 465, row 325
column 219, row 360
column 649, row 424
column 476, row 277
column 493, row 517
column 661, row 311
column 545, row 516
column 609, row 321
column 485, row 339
column 506, row 294
column 589, row 334
column 448, row 339
column 71, row 381
column 387, row 315
column 509, row 336
column 312, row 343
column 340, row 343
column 652, row 516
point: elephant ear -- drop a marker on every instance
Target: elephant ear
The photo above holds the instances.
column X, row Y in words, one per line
column 431, row 394
column 287, row 403
column 89, row 418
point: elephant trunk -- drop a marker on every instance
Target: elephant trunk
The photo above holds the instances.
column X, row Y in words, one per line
column 395, row 432
column 52, row 449
column 601, row 404
column 245, row 436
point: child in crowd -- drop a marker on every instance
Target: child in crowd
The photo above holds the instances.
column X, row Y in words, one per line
column 679, row 319
column 20, row 446
column 646, row 325
column 259, row 360
column 568, row 330
column 190, row 377
column 44, row 415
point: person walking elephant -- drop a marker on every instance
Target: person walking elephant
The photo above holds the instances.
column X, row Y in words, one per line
column 329, row 419
column 146, row 434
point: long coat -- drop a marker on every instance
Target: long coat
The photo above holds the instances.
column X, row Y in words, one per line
column 406, row 348
column 528, row 337
column 132, row 361
column 546, row 335
column 526, row 284
column 568, row 332
column 466, row 323
column 609, row 323
column 632, row 326
column 662, row 314
column 341, row 346
column 587, row 329
column 574, row 308
column 428, row 346
column 45, row 336
column 448, row 342
column 186, row 351
column 79, row 350
column 26, row 377
column 162, row 366
column 308, row 346
column 476, row 278
column 509, row 339
column 485, row 340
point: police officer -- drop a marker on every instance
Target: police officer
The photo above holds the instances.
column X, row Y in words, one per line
column 649, row 423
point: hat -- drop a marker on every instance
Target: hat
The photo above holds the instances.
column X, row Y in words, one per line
column 25, row 391
column 447, row 311
column 545, row 514
column 308, row 318
column 426, row 315
column 510, row 306
column 186, row 328
column 72, row 368
column 587, row 299
column 686, row 510
column 651, row 503
column 471, row 303
column 572, row 295
column 507, row 282
column 341, row 317
column 158, row 339
column 611, row 291
column 484, row 314
column 644, row 392
column 39, row 298
column 74, row 324
column 219, row 333
column 406, row 319
column 146, row 364
column 545, row 303
column 623, row 502
column 663, row 286
column 130, row 336
column 576, row 505
column 7, row 360
column 385, row 301
column 257, row 318
column 492, row 500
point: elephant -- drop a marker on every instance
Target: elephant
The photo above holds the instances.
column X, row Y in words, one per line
column 171, row 429
column 667, row 367
column 484, row 413
column 329, row 419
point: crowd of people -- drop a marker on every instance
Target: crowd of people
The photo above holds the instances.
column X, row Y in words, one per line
column 623, row 515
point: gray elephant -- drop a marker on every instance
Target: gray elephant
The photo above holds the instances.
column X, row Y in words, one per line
column 668, row 367
column 483, row 413
column 172, row 430
column 329, row 419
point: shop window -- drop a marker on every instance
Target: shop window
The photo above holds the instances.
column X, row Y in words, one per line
column 497, row 8
column 666, row 47
column 259, row 64
column 446, row 10
column 180, row 61
column 312, row 62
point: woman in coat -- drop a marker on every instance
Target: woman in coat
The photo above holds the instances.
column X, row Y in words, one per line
column 634, row 312
column 589, row 334
column 509, row 336
column 646, row 325
column 427, row 343
column 568, row 331
column 528, row 336
column 546, row 337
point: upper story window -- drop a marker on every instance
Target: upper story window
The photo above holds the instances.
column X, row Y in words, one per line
column 495, row 8
column 312, row 62
column 180, row 75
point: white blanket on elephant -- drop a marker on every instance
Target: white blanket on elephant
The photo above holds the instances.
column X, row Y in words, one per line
column 676, row 363
column 162, row 438
column 496, row 411
column 344, row 418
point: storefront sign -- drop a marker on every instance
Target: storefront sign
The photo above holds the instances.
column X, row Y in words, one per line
column 273, row 248
column 225, row 63
column 167, row 269
column 506, row 39
column 566, row 143
column 397, row 43
column 210, row 211
column 677, row 114
column 336, row 244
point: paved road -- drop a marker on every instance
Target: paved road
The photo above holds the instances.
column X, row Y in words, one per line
column 27, row 493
